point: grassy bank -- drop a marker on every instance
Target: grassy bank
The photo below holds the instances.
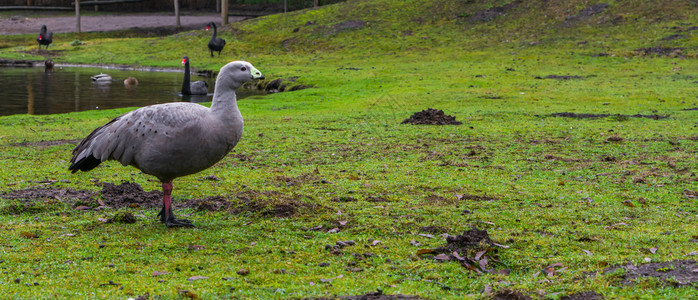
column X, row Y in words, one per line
column 569, row 194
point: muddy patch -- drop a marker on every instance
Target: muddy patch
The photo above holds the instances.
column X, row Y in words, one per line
column 378, row 295
column 588, row 295
column 129, row 194
column 678, row 272
column 274, row 204
column 585, row 13
column 560, row 77
column 509, row 295
column 349, row 24
column 37, row 200
column 617, row 116
column 494, row 12
column 44, row 144
column 213, row 203
column 431, row 116
column 661, row 51
column 473, row 249
column 279, row 85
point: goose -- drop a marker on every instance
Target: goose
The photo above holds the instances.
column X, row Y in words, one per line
column 171, row 140
column 101, row 78
column 131, row 81
column 216, row 43
column 193, row 88
column 44, row 38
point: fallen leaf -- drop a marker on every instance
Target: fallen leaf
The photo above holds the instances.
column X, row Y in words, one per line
column 430, row 236
column 101, row 203
column 587, row 252
column 103, row 220
column 316, row 228
column 415, row 243
column 487, row 290
column 243, row 272
column 457, row 256
column 28, row 235
column 196, row 278
column 628, row 203
column 647, row 259
column 333, row 230
column 425, row 251
column 188, row 294
column 442, row 257
column 653, row 250
column 196, row 247
column 693, row 253
column 83, row 207
column 312, row 283
column 501, row 246
column 160, row 273
column 376, row 242
column 480, row 254
column 68, row 234
column 342, row 223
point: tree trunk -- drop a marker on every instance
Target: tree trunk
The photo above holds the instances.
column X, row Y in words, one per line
column 176, row 7
column 224, row 12
column 218, row 5
column 285, row 5
column 315, row 3
column 77, row 16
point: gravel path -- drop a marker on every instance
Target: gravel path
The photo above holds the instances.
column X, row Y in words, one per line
column 22, row 25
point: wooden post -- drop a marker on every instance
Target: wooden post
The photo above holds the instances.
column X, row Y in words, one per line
column 224, row 12
column 176, row 7
column 218, row 5
column 96, row 6
column 285, row 6
column 77, row 16
column 316, row 3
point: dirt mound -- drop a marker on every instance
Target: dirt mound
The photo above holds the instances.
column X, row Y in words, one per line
column 473, row 239
column 560, row 77
column 595, row 116
column 663, row 51
column 680, row 272
column 378, row 295
column 431, row 116
column 585, row 13
column 129, row 194
column 490, row 14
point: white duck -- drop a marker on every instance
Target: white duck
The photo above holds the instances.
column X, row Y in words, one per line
column 101, row 78
column 173, row 139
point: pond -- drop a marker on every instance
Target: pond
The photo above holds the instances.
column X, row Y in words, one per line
column 30, row 90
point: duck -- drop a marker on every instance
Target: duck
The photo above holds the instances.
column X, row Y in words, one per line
column 101, row 78
column 48, row 66
column 131, row 81
column 215, row 43
column 173, row 139
column 192, row 88
column 44, row 38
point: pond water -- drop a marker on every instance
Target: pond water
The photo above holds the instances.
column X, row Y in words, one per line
column 70, row 89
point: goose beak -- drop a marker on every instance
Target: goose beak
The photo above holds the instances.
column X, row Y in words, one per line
column 207, row 28
column 256, row 74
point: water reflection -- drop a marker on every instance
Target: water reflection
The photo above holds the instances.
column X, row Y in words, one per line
column 70, row 89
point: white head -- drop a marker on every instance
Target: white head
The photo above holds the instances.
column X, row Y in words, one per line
column 235, row 73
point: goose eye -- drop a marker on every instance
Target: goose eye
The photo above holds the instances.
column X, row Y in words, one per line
column 243, row 69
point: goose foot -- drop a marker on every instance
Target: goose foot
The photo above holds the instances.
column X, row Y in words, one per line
column 170, row 221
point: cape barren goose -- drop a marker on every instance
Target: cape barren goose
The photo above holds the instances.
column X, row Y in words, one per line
column 192, row 88
column 173, row 139
column 215, row 43
column 44, row 38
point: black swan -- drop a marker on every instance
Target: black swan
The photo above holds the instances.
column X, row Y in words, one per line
column 193, row 88
column 173, row 139
column 44, row 38
column 216, row 43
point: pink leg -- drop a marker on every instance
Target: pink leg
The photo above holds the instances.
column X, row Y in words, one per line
column 166, row 215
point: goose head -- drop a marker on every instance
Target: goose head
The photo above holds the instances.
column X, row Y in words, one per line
column 235, row 73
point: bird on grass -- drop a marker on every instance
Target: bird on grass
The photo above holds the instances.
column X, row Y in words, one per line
column 171, row 140
column 215, row 43
column 44, row 38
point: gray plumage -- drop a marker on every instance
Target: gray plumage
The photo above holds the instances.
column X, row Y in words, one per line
column 173, row 139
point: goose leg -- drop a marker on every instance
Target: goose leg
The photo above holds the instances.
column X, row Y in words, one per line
column 211, row 53
column 166, row 215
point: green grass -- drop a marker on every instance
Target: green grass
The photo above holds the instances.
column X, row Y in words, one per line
column 555, row 191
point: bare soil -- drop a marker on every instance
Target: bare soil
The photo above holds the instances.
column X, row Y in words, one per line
column 678, row 272
column 595, row 116
column 431, row 116
column 19, row 24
